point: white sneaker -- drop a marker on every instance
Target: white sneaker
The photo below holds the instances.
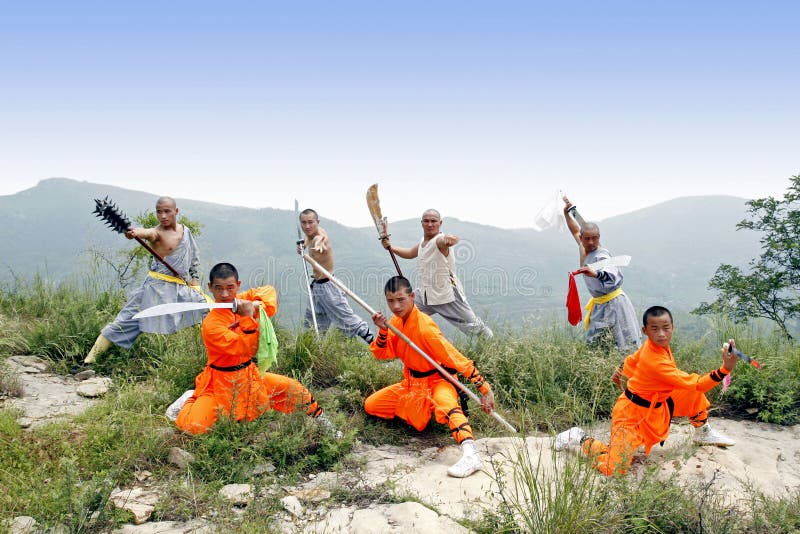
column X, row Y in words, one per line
column 468, row 464
column 705, row 435
column 569, row 438
column 328, row 426
column 175, row 408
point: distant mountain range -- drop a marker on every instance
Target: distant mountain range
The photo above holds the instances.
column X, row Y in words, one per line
column 509, row 275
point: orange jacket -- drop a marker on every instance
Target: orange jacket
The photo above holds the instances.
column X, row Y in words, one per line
column 653, row 375
column 231, row 340
column 424, row 332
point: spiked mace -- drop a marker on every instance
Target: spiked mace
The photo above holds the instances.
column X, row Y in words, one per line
column 109, row 213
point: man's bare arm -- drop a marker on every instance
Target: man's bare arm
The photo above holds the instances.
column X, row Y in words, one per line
column 150, row 234
column 407, row 253
column 572, row 224
column 320, row 243
column 445, row 241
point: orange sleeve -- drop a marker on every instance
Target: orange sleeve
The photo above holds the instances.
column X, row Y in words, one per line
column 265, row 294
column 383, row 345
column 441, row 350
column 666, row 372
column 631, row 363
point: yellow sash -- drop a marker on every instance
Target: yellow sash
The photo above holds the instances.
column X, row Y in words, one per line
column 176, row 280
column 599, row 300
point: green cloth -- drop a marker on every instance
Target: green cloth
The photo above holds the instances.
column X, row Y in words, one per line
column 267, row 353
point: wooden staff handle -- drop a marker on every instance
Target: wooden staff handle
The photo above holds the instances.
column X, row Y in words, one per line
column 453, row 380
column 157, row 256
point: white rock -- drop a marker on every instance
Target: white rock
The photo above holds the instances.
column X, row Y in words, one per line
column 195, row 526
column 314, row 495
column 138, row 501
column 94, row 387
column 22, row 525
column 238, row 494
column 292, row 505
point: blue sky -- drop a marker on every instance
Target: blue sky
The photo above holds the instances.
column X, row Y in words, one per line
column 480, row 109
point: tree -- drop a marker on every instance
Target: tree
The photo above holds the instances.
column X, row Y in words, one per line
column 771, row 289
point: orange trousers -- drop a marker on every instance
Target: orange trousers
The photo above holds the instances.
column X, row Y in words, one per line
column 277, row 392
column 414, row 403
column 616, row 457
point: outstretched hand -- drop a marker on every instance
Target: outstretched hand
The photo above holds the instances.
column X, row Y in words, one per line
column 319, row 244
column 386, row 243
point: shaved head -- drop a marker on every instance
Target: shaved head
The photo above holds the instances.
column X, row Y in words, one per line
column 432, row 212
column 590, row 227
column 166, row 200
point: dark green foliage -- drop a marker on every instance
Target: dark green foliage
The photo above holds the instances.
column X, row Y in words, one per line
column 770, row 290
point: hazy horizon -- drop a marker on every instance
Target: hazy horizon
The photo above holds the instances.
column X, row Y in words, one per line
column 481, row 110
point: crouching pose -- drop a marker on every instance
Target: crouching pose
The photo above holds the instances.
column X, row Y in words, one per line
column 423, row 390
column 231, row 383
column 656, row 391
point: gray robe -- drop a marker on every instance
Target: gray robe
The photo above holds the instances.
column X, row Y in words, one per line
column 617, row 314
column 124, row 330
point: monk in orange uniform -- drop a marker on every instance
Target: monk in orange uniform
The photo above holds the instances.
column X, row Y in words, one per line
column 423, row 390
column 231, row 383
column 656, row 391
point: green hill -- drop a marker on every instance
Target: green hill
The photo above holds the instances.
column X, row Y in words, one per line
column 509, row 275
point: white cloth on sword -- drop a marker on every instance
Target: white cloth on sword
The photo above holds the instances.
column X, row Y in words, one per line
column 551, row 215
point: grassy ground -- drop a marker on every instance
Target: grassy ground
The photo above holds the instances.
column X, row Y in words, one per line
column 545, row 380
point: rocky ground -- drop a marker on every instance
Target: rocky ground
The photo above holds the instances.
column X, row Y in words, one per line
column 766, row 458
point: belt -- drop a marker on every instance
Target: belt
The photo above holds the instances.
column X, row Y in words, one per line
column 320, row 281
column 232, row 368
column 423, row 374
column 599, row 300
column 179, row 281
column 640, row 401
column 644, row 403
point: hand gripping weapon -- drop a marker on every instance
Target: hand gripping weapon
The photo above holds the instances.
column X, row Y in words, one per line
column 374, row 205
column 744, row 357
column 300, row 241
column 573, row 210
column 623, row 260
column 109, row 213
column 453, row 380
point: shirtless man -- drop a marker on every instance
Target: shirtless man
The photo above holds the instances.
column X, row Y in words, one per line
column 330, row 303
column 175, row 243
column 609, row 310
column 439, row 290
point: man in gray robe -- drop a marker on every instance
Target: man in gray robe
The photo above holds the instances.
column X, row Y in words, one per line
column 173, row 242
column 610, row 310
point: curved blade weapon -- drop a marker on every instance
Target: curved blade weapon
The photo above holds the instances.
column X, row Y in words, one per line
column 374, row 205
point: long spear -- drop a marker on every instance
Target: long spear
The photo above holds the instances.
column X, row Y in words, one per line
column 118, row 222
column 453, row 380
column 300, row 241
